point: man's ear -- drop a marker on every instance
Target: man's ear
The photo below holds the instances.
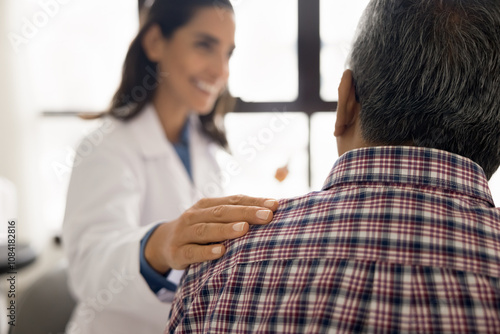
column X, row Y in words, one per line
column 152, row 43
column 347, row 108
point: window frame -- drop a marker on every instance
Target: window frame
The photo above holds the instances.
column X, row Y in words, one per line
column 309, row 99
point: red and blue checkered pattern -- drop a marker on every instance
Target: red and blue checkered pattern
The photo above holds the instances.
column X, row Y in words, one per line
column 400, row 240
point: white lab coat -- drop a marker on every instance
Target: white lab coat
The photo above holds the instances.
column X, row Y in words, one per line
column 127, row 177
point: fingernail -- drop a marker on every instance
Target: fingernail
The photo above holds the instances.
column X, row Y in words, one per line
column 263, row 214
column 239, row 227
column 270, row 203
column 217, row 250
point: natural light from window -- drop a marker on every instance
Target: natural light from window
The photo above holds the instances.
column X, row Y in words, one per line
column 75, row 61
column 265, row 63
column 323, row 147
column 77, row 56
column 260, row 144
column 338, row 22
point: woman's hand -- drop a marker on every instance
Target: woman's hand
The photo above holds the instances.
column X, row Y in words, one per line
column 179, row 243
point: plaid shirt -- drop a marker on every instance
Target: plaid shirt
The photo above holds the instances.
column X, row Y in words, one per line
column 399, row 240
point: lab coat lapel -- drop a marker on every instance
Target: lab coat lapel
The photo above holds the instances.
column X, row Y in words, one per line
column 204, row 167
column 155, row 145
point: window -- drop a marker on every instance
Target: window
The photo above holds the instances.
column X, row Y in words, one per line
column 264, row 67
column 260, row 144
column 323, row 147
column 325, row 29
column 338, row 22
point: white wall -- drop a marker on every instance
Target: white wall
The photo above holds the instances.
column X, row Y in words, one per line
column 55, row 55
column 18, row 129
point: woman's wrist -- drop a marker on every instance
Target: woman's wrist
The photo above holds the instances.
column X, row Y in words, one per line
column 153, row 252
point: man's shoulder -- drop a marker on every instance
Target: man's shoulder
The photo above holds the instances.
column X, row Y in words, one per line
column 375, row 223
column 291, row 214
column 297, row 219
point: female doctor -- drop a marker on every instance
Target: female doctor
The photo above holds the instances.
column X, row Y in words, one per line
column 134, row 214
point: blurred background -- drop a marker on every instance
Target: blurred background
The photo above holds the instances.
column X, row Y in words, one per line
column 62, row 57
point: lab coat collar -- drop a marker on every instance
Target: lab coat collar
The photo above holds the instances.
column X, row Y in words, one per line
column 149, row 133
column 154, row 144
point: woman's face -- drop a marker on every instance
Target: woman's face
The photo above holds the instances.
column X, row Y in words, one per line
column 194, row 61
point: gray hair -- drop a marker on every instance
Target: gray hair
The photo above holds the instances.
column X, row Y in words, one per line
column 427, row 73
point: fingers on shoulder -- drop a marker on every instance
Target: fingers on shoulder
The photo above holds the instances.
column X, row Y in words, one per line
column 204, row 233
column 237, row 200
column 201, row 253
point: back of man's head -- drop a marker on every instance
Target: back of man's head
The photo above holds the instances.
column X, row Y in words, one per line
column 427, row 72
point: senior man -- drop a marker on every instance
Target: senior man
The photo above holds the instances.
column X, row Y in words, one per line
column 404, row 237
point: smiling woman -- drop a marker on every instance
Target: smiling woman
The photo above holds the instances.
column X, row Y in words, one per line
column 195, row 59
column 172, row 51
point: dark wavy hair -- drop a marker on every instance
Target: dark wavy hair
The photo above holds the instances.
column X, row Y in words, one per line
column 140, row 75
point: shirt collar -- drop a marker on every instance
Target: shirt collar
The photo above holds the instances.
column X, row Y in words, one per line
column 184, row 137
column 411, row 165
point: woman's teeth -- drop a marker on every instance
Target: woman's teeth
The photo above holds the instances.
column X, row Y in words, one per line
column 212, row 89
